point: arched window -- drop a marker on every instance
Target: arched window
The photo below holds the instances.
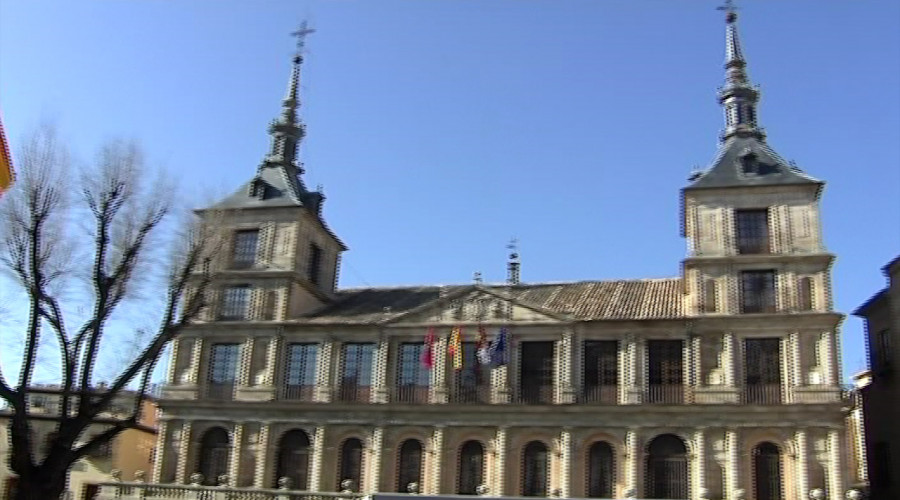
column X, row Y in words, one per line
column 601, row 470
column 667, row 468
column 214, row 452
column 471, row 468
column 293, row 459
column 409, row 466
column 767, row 472
column 350, row 463
column 535, row 466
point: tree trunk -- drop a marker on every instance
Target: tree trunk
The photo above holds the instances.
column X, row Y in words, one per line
column 42, row 485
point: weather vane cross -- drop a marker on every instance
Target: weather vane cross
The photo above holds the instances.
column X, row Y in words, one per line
column 301, row 36
column 729, row 6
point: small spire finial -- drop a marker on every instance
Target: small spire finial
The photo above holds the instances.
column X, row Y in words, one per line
column 513, row 266
column 730, row 10
column 301, row 34
column 477, row 277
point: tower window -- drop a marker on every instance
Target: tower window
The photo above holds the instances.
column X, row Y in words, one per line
column 243, row 252
column 758, row 291
column 804, row 294
column 882, row 351
column 315, row 264
column 235, row 303
column 752, row 228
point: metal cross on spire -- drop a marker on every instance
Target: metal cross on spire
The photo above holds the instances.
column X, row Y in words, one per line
column 301, row 36
column 730, row 9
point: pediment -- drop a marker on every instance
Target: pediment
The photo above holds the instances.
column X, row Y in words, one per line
column 477, row 305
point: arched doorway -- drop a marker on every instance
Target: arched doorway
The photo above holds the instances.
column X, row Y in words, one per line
column 767, row 472
column 667, row 468
column 350, row 464
column 215, row 447
column 471, row 468
column 600, row 470
column 535, row 469
column 409, row 467
column 293, row 459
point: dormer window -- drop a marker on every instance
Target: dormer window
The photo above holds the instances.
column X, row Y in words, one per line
column 259, row 189
column 749, row 163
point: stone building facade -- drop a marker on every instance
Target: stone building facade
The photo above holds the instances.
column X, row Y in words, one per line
column 722, row 383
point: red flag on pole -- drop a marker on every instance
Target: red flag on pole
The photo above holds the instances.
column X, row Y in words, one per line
column 428, row 353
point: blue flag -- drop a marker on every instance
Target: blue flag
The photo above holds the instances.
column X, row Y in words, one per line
column 499, row 350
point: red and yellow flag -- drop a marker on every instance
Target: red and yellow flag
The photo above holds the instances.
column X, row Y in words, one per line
column 454, row 348
column 6, row 168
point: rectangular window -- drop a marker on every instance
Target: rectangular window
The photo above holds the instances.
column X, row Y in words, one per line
column 758, row 291
column 413, row 378
column 752, row 229
column 235, row 303
column 762, row 371
column 665, row 371
column 300, row 372
column 315, row 263
column 710, row 297
column 223, row 363
column 536, row 373
column 471, row 384
column 804, row 294
column 356, row 372
column 601, row 371
column 243, row 251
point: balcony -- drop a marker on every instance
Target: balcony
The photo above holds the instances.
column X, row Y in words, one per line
column 219, row 391
column 667, row 394
column 534, row 394
column 467, row 392
column 352, row 393
column 411, row 394
column 599, row 395
column 144, row 491
column 761, row 394
column 305, row 393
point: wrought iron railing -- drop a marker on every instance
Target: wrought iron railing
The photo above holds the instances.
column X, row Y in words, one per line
column 298, row 393
column 467, row 393
column 220, row 391
column 599, row 394
column 352, row 393
column 672, row 394
column 534, row 394
column 143, row 491
column 762, row 394
column 415, row 394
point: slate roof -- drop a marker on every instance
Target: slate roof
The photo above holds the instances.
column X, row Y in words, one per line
column 583, row 300
column 727, row 170
column 280, row 187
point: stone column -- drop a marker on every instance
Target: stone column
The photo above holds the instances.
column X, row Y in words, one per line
column 439, row 371
column 733, row 464
column 500, row 384
column 272, row 361
column 835, row 472
column 237, row 450
column 323, row 372
column 376, row 446
column 699, row 463
column 174, row 358
column 697, row 360
column 183, row 448
column 196, row 355
column 499, row 488
column 318, row 454
column 565, row 455
column 262, row 460
column 163, row 454
column 437, row 455
column 568, row 363
column 802, row 480
column 632, row 461
column 380, row 375
column 728, row 353
column 829, row 362
column 246, row 360
column 635, row 363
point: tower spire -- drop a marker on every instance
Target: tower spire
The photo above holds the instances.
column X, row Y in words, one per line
column 738, row 96
column 513, row 265
column 287, row 130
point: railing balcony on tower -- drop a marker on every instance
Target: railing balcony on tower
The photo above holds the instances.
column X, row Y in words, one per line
column 762, row 394
column 534, row 394
column 219, row 391
column 411, row 394
column 298, row 392
column 599, row 394
column 672, row 394
column 353, row 393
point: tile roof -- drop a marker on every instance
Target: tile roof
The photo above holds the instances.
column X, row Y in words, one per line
column 583, row 300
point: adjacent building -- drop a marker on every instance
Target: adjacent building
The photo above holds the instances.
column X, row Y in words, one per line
column 128, row 456
column 881, row 397
column 720, row 383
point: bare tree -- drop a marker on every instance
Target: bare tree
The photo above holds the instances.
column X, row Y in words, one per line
column 99, row 238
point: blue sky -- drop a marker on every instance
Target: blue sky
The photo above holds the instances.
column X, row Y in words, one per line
column 440, row 129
